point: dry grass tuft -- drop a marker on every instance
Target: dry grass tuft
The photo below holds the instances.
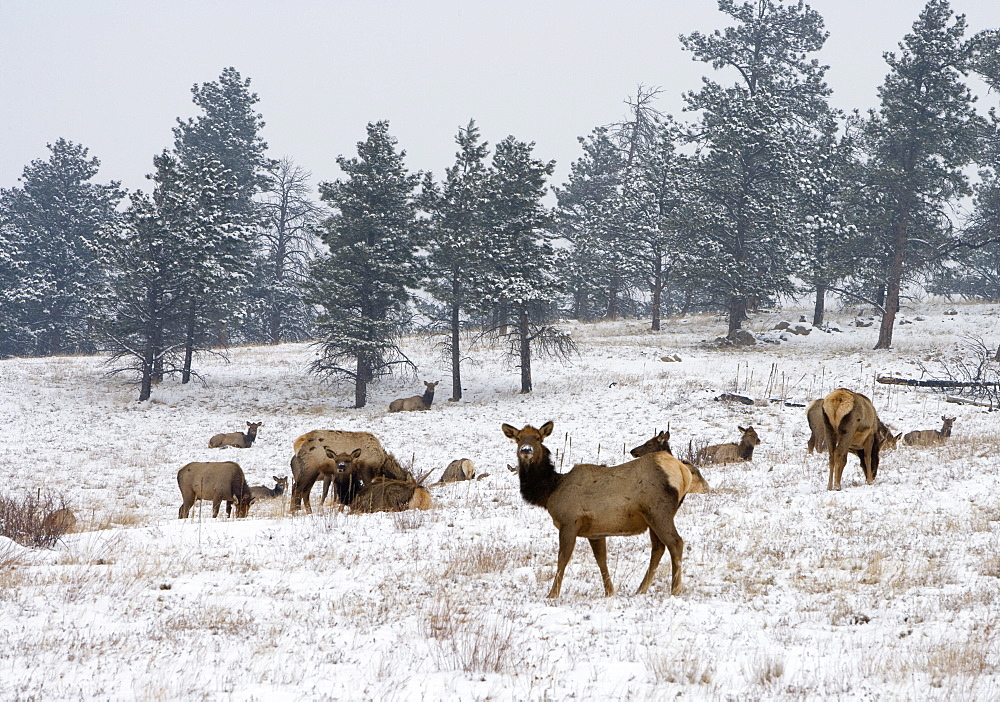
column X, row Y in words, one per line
column 35, row 521
column 474, row 641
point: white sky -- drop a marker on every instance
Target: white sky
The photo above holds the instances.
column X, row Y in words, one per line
column 115, row 75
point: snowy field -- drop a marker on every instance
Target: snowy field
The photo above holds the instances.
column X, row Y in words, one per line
column 889, row 591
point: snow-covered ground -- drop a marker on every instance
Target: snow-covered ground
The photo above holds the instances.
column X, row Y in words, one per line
column 889, row 591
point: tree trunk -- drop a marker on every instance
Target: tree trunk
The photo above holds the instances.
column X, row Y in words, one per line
column 274, row 323
column 997, row 357
column 613, row 291
column 361, row 382
column 525, row 342
column 894, row 277
column 456, row 351
column 819, row 310
column 737, row 312
column 657, row 290
column 146, row 383
column 189, row 343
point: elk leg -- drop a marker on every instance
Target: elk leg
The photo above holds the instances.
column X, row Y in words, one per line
column 326, row 488
column 215, row 507
column 666, row 534
column 654, row 561
column 567, row 542
column 600, row 548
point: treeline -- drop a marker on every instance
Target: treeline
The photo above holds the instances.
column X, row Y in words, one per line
column 767, row 192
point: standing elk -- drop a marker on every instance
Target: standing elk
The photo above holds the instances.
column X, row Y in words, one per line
column 851, row 425
column 417, row 402
column 317, row 454
column 217, row 482
column 817, row 431
column 236, row 439
column 262, row 492
column 730, row 453
column 930, row 437
column 594, row 502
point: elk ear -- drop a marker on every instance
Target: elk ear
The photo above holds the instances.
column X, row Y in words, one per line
column 545, row 429
column 509, row 431
column 664, row 435
column 330, row 453
column 899, row 436
column 742, row 429
column 356, row 453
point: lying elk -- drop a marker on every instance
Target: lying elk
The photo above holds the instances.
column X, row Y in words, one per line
column 385, row 495
column 325, row 453
column 459, row 469
column 730, row 453
column 594, row 502
column 661, row 442
column 851, row 425
column 217, row 482
column 930, row 437
column 262, row 492
column 236, row 439
column 417, row 402
column 817, row 432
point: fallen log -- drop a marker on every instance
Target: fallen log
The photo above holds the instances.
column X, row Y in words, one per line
column 964, row 401
column 889, row 380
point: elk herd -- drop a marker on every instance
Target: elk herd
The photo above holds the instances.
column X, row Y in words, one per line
column 589, row 501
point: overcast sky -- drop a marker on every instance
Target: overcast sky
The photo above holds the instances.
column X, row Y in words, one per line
column 115, row 75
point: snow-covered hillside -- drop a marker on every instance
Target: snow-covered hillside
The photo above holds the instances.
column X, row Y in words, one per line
column 887, row 591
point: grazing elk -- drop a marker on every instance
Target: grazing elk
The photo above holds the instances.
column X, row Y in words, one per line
column 930, row 437
column 730, row 453
column 236, row 439
column 417, row 402
column 262, row 492
column 317, row 453
column 851, row 425
column 661, row 442
column 594, row 502
column 817, row 431
column 217, row 482
column 385, row 495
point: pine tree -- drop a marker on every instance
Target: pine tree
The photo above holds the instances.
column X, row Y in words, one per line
column 55, row 227
column 519, row 278
column 456, row 239
column 220, row 157
column 745, row 226
column 362, row 284
column 922, row 137
column 590, row 217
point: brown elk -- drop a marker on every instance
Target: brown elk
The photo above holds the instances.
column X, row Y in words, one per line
column 851, row 425
column 217, row 482
column 262, row 492
column 930, row 437
column 236, row 439
column 817, row 431
column 317, row 453
column 385, row 495
column 730, row 453
column 417, row 402
column 661, row 442
column 459, row 469
column 59, row 521
column 594, row 502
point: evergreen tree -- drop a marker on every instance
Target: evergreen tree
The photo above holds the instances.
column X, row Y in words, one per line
column 55, row 227
column 220, row 157
column 457, row 239
column 519, row 278
column 655, row 197
column 147, row 289
column 590, row 217
column 362, row 284
column 921, row 138
column 745, row 224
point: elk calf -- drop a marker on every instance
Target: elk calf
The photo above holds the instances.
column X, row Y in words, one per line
column 731, row 453
column 236, row 439
column 262, row 492
column 930, row 437
column 851, row 425
column 417, row 402
column 594, row 502
column 217, row 482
